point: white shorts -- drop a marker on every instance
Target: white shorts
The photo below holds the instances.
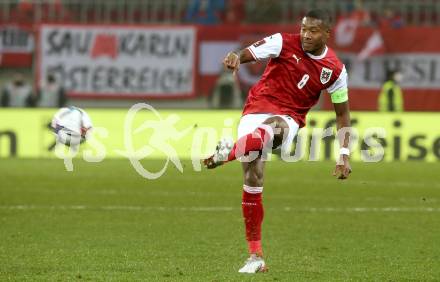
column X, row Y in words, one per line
column 250, row 122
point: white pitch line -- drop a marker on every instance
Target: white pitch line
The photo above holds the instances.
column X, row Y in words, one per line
column 363, row 209
column 224, row 209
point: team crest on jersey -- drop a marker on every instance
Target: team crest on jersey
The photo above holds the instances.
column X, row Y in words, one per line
column 326, row 74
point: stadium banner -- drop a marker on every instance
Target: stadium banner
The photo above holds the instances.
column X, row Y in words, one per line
column 166, row 61
column 192, row 134
column 113, row 61
column 16, row 46
column 415, row 54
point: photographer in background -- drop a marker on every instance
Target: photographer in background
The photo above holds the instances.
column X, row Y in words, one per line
column 226, row 93
column 51, row 94
column 17, row 93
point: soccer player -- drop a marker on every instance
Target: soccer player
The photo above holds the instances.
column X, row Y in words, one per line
column 300, row 67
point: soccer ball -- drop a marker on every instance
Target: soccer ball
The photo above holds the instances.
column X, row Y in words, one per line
column 71, row 126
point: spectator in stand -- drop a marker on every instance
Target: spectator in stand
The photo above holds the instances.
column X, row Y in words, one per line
column 264, row 12
column 391, row 19
column 28, row 12
column 17, row 93
column 234, row 12
column 390, row 97
column 356, row 11
column 51, row 94
column 205, row 11
column 23, row 12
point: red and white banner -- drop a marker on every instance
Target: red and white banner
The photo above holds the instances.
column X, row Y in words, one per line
column 16, row 46
column 119, row 61
column 160, row 61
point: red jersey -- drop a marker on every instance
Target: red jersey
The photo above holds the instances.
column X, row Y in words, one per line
column 293, row 79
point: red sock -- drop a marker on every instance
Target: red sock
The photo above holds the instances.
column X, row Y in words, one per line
column 251, row 142
column 253, row 214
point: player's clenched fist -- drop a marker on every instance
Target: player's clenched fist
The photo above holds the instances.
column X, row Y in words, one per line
column 232, row 62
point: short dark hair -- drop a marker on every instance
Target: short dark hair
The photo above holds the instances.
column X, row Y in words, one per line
column 322, row 15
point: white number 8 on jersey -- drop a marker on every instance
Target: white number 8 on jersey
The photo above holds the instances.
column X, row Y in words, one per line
column 303, row 81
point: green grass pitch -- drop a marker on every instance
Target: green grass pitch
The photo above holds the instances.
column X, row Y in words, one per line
column 103, row 222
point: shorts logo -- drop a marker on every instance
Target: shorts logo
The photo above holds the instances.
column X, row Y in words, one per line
column 259, row 43
column 326, row 74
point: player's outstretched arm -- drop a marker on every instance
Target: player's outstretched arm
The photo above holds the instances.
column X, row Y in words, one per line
column 233, row 60
column 343, row 169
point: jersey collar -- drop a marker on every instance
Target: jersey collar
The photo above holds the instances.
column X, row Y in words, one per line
column 319, row 56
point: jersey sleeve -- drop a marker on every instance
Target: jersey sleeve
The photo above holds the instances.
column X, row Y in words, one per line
column 268, row 47
column 339, row 90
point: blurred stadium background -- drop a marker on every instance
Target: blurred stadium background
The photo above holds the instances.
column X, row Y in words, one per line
column 104, row 221
column 368, row 36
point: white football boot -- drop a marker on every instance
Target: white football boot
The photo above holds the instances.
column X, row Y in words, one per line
column 220, row 156
column 254, row 264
